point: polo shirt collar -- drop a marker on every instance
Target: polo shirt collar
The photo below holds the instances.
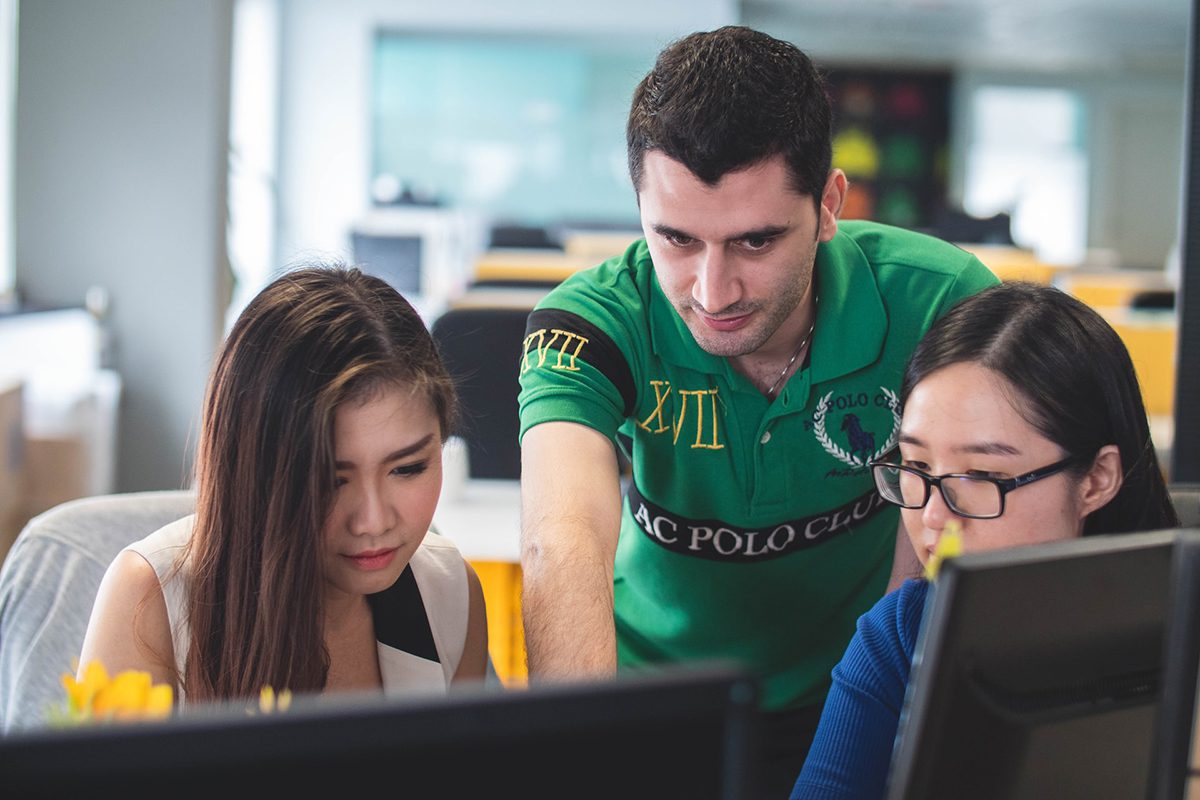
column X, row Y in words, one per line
column 851, row 319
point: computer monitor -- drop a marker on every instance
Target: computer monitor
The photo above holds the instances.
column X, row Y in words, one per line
column 426, row 254
column 1038, row 672
column 685, row 732
column 1172, row 766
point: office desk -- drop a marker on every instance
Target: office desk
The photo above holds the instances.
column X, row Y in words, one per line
column 538, row 266
column 1115, row 288
column 1014, row 263
column 483, row 517
column 597, row 246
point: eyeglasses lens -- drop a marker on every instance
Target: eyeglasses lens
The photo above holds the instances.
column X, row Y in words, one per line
column 977, row 498
column 910, row 488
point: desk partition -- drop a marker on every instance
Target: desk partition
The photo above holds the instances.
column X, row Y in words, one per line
column 1150, row 338
column 1185, row 457
column 1115, row 288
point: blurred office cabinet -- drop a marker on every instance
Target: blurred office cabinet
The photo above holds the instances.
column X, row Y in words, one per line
column 890, row 134
column 58, row 412
column 425, row 252
column 12, row 461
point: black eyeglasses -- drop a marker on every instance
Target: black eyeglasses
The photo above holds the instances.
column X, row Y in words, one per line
column 970, row 496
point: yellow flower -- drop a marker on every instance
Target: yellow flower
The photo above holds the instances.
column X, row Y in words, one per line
column 268, row 702
column 131, row 694
column 80, row 694
column 948, row 546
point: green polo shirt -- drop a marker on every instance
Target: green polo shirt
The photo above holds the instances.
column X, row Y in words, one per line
column 751, row 530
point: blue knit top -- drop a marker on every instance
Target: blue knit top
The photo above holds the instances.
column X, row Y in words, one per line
column 852, row 750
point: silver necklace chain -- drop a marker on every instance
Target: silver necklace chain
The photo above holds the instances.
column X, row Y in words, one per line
column 795, row 354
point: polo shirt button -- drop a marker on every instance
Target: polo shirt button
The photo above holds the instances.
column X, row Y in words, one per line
column 766, row 437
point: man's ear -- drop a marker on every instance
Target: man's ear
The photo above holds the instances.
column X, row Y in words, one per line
column 1102, row 481
column 833, row 197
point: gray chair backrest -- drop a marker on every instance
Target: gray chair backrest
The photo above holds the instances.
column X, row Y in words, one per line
column 48, row 584
column 1186, row 498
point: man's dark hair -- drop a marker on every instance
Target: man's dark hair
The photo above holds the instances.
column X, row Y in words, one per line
column 723, row 100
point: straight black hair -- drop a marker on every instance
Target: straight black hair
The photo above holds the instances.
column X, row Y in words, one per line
column 1071, row 375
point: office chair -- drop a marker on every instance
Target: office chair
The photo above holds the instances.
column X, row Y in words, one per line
column 511, row 234
column 48, row 583
column 956, row 225
column 481, row 347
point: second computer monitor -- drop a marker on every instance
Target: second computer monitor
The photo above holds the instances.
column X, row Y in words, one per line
column 1038, row 672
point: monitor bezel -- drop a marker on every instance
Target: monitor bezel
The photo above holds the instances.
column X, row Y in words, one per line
column 473, row 722
column 913, row 765
column 1173, row 748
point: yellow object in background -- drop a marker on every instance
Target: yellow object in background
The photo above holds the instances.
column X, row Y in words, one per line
column 1010, row 263
column 1150, row 334
column 1151, row 339
column 1114, row 289
column 529, row 265
column 948, row 546
column 501, row 583
column 856, row 153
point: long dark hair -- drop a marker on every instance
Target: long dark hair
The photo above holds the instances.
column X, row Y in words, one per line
column 1072, row 377
column 723, row 100
column 314, row 338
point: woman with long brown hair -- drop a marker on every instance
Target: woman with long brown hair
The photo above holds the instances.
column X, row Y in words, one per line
column 308, row 565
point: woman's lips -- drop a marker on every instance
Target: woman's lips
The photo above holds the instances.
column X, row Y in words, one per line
column 373, row 559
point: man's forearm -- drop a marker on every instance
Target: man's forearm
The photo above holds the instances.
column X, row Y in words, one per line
column 567, row 610
column 570, row 522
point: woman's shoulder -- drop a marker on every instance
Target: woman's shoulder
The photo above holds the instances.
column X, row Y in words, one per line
column 163, row 548
column 879, row 655
column 438, row 547
column 172, row 535
column 910, row 596
column 908, row 610
column 896, row 617
column 438, row 557
column 901, row 601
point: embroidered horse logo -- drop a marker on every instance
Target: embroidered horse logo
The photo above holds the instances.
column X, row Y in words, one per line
column 862, row 443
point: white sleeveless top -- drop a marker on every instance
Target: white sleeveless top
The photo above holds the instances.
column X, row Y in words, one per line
column 420, row 621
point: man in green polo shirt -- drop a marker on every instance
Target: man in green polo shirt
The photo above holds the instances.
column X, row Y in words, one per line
column 746, row 355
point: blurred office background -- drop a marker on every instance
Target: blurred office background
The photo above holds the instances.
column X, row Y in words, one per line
column 160, row 160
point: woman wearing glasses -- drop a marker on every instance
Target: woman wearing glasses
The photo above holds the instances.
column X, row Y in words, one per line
column 1022, row 422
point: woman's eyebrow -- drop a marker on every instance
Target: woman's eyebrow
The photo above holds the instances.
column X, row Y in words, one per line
column 395, row 455
column 988, row 448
